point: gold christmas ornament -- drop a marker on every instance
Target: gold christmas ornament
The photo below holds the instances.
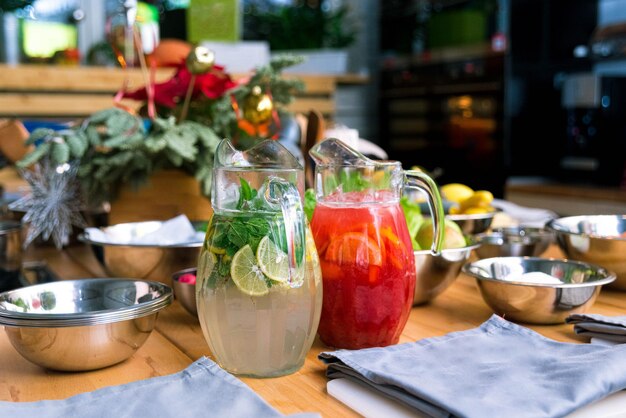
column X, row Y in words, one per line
column 257, row 107
column 200, row 60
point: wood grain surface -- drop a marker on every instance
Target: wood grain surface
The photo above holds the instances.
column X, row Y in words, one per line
column 178, row 341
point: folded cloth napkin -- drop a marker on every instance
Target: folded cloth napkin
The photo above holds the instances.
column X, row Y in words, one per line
column 203, row 389
column 499, row 369
column 611, row 328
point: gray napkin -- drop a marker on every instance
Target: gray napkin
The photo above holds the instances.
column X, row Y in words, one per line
column 611, row 328
column 499, row 369
column 203, row 389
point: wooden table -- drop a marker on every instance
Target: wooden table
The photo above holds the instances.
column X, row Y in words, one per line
column 178, row 341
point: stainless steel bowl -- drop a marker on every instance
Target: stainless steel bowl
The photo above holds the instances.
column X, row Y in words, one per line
column 597, row 239
column 185, row 293
column 82, row 324
column 473, row 224
column 10, row 254
column 143, row 261
column 537, row 290
column 513, row 241
column 436, row 273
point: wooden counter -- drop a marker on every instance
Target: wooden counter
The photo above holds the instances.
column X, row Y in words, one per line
column 567, row 199
column 178, row 341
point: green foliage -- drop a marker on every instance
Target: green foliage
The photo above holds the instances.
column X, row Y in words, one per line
column 301, row 26
column 114, row 147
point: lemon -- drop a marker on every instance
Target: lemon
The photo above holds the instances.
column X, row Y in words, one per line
column 478, row 199
column 456, row 192
column 477, row 210
column 272, row 260
column 206, row 263
column 247, row 274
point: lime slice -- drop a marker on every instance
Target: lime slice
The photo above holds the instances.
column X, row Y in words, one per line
column 272, row 260
column 246, row 273
column 206, row 263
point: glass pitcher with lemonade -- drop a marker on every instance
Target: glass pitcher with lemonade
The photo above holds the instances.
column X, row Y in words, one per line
column 365, row 251
column 259, row 286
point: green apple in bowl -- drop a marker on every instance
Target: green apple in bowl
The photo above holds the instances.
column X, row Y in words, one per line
column 453, row 236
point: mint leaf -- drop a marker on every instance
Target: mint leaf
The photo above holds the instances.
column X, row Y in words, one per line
column 238, row 234
column 246, row 190
column 257, row 227
column 220, row 235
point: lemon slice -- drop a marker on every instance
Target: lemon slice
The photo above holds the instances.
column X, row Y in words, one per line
column 272, row 260
column 246, row 273
column 206, row 263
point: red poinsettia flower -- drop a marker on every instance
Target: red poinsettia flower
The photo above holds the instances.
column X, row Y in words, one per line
column 211, row 85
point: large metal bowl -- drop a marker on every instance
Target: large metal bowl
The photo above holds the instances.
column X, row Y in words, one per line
column 143, row 261
column 597, row 239
column 436, row 273
column 537, row 290
column 82, row 324
column 513, row 241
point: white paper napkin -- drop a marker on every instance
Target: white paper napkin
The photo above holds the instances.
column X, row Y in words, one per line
column 530, row 217
column 175, row 231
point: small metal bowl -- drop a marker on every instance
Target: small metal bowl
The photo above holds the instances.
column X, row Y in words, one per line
column 10, row 254
column 537, row 290
column 597, row 239
column 143, row 261
column 473, row 224
column 436, row 273
column 513, row 241
column 86, row 324
column 185, row 293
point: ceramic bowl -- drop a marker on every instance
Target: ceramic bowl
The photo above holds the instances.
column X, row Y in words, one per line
column 538, row 290
column 87, row 324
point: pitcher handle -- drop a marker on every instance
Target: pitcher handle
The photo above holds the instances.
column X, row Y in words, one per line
column 419, row 180
column 281, row 192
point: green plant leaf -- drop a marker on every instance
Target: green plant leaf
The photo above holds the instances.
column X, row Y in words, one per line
column 78, row 144
column 93, row 136
column 59, row 152
column 34, row 156
column 39, row 134
column 238, row 234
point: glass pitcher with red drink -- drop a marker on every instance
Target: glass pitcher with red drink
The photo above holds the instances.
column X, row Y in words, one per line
column 368, row 266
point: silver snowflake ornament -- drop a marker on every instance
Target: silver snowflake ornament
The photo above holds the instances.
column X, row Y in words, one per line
column 53, row 204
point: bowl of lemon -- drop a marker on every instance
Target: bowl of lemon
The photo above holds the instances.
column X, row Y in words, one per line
column 470, row 209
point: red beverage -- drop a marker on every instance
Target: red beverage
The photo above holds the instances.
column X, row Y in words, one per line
column 368, row 270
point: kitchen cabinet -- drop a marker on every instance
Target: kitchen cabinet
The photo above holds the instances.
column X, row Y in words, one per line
column 479, row 112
